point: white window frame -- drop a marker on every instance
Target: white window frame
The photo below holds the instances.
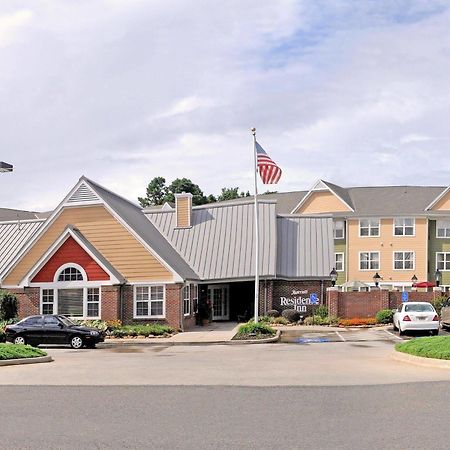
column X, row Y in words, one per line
column 335, row 229
column 53, row 303
column 336, row 262
column 149, row 286
column 370, row 268
column 437, row 228
column 446, row 260
column 67, row 266
column 370, row 227
column 71, row 285
column 394, row 226
column 404, row 251
column 187, row 300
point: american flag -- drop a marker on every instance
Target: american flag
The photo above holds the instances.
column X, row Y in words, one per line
column 269, row 172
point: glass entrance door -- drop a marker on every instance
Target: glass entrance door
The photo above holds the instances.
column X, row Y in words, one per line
column 220, row 302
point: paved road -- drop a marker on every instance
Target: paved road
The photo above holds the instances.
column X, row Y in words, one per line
column 405, row 416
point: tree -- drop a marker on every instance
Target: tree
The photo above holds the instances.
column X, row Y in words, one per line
column 9, row 306
column 156, row 193
column 231, row 194
column 181, row 185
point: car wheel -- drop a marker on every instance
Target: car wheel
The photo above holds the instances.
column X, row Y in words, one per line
column 20, row 340
column 76, row 342
column 400, row 331
column 434, row 332
column 393, row 324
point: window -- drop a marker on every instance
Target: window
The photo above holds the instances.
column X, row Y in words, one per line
column 35, row 321
column 194, row 295
column 149, row 301
column 70, row 274
column 339, row 262
column 187, row 300
column 93, row 302
column 369, row 227
column 339, row 229
column 369, row 261
column 443, row 261
column 404, row 260
column 70, row 302
column 48, row 301
column 404, row 227
column 51, row 322
column 443, row 228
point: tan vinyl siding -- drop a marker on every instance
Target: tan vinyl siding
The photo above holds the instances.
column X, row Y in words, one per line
column 322, row 202
column 386, row 244
column 107, row 235
column 183, row 212
column 443, row 204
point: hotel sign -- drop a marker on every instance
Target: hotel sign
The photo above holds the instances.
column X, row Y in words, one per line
column 299, row 300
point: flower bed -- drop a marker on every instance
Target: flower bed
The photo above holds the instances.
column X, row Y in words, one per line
column 150, row 330
column 254, row 331
column 12, row 351
column 360, row 321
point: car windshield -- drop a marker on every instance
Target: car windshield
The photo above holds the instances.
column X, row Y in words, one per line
column 419, row 308
column 66, row 321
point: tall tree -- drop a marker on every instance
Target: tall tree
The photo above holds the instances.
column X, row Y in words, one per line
column 155, row 194
column 231, row 194
column 181, row 185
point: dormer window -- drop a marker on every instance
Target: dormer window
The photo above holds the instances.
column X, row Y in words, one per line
column 70, row 274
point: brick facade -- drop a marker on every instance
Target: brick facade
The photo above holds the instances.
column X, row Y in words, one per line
column 349, row 305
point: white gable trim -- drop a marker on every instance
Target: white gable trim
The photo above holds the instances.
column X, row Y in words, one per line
column 439, row 197
column 26, row 281
column 318, row 186
column 65, row 204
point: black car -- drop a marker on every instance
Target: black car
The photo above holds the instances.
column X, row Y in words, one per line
column 52, row 329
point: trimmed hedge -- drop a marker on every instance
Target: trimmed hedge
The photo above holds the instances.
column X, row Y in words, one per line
column 291, row 314
column 384, row 316
column 12, row 351
column 154, row 329
column 255, row 330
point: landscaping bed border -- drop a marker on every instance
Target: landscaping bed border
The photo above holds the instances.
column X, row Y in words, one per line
column 20, row 361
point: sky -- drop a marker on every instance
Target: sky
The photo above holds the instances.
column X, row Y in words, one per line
column 121, row 91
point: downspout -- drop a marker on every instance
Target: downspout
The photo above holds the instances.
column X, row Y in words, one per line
column 121, row 302
column 180, row 299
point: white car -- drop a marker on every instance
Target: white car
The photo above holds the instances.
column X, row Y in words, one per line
column 416, row 316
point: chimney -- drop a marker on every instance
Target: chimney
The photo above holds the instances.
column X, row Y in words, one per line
column 183, row 209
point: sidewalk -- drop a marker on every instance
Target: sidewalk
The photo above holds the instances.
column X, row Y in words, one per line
column 213, row 333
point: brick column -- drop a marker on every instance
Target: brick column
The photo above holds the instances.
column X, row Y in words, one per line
column 110, row 302
column 265, row 296
column 384, row 299
column 174, row 305
column 333, row 301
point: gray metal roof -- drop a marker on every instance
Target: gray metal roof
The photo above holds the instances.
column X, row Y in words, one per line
column 7, row 214
column 135, row 218
column 219, row 245
column 13, row 235
column 305, row 247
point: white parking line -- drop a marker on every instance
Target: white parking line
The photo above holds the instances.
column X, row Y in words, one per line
column 392, row 334
column 340, row 336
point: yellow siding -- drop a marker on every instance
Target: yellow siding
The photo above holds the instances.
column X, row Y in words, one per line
column 183, row 212
column 322, row 202
column 386, row 244
column 443, row 204
column 107, row 235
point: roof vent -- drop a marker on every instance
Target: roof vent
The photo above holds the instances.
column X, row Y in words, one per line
column 83, row 194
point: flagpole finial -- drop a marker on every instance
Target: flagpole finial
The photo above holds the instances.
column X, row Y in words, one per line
column 253, row 129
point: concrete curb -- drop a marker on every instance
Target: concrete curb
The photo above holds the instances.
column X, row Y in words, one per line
column 420, row 361
column 134, row 342
column 20, row 361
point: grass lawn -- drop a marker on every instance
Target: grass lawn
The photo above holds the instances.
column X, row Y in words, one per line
column 437, row 347
column 11, row 351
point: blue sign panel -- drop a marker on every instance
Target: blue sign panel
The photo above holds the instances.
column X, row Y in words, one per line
column 404, row 296
column 313, row 298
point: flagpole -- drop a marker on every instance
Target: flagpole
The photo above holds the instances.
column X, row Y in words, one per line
column 256, row 229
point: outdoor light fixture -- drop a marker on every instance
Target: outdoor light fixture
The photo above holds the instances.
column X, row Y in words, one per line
column 5, row 167
column 438, row 277
column 414, row 279
column 376, row 279
column 333, row 275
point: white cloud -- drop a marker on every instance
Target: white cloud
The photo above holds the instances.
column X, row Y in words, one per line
column 10, row 25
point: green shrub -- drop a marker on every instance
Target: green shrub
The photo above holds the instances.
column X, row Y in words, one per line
column 322, row 311
column 252, row 328
column 291, row 314
column 11, row 351
column 153, row 329
column 384, row 316
column 438, row 303
column 279, row 321
column 318, row 320
column 9, row 306
column 273, row 313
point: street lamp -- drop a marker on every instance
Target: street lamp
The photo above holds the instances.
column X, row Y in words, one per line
column 414, row 279
column 438, row 277
column 5, row 167
column 376, row 279
column 333, row 275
